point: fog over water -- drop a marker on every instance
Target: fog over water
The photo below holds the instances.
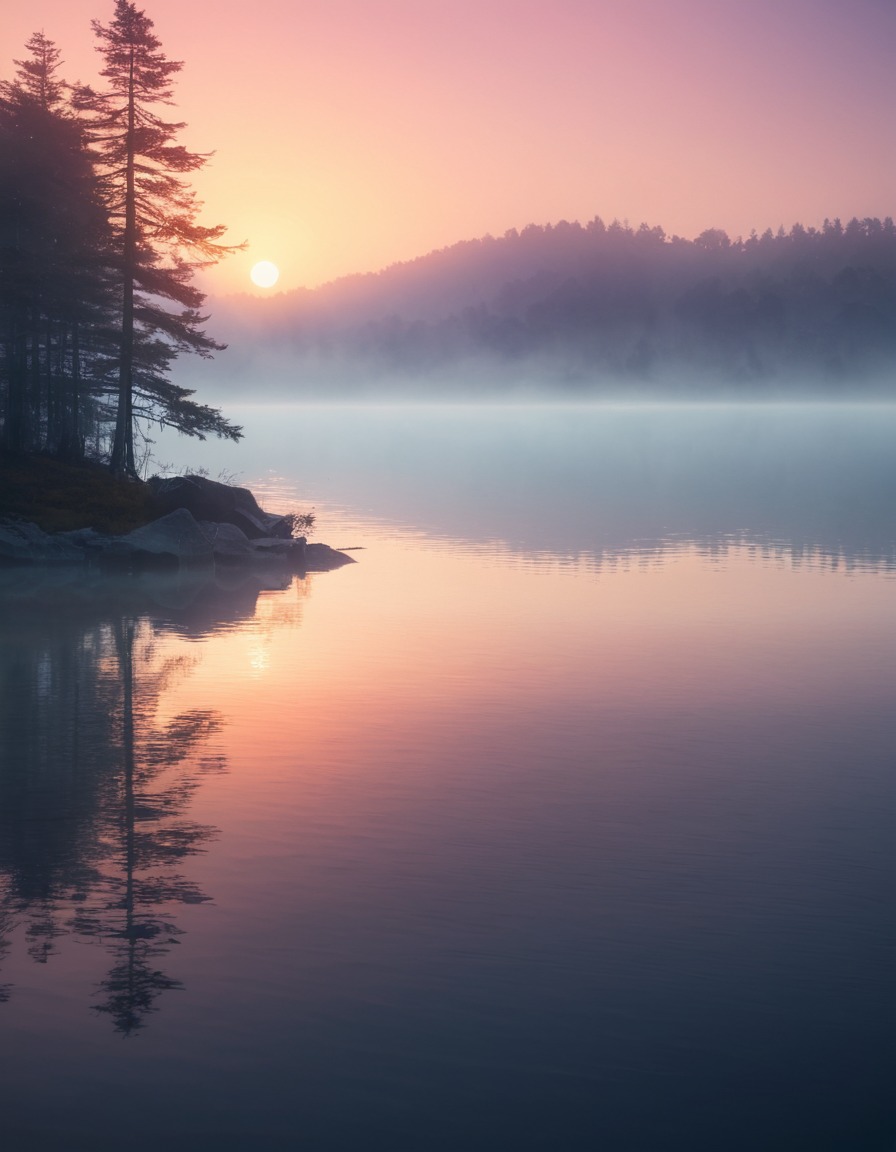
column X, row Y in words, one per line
column 571, row 311
column 588, row 480
column 562, row 819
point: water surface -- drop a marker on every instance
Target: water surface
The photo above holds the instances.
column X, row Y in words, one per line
column 562, row 819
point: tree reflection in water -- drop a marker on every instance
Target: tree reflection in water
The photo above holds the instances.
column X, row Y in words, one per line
column 144, row 834
column 95, row 790
column 5, row 928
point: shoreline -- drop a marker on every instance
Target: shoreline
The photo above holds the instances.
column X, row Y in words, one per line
column 185, row 522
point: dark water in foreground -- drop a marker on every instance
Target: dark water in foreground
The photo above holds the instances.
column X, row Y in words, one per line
column 563, row 819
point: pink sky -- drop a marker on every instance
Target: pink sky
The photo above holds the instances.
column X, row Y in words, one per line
column 350, row 134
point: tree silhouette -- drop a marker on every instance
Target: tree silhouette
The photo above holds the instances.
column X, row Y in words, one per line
column 99, row 241
column 607, row 307
column 53, row 257
column 158, row 242
column 37, row 76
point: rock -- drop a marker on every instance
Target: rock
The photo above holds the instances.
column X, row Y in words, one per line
column 323, row 558
column 272, row 545
column 86, row 539
column 174, row 539
column 220, row 503
column 25, row 543
column 230, row 544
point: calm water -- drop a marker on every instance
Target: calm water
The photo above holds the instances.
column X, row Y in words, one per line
column 564, row 819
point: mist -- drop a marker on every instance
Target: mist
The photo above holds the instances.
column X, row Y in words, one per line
column 589, row 482
column 570, row 311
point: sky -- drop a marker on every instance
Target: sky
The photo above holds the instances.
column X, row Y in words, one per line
column 351, row 134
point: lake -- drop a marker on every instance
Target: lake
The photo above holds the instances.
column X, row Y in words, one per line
column 562, row 819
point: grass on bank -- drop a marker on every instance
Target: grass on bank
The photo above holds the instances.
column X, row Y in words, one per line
column 60, row 497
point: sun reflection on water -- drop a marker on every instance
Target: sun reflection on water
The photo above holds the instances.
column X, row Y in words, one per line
column 259, row 659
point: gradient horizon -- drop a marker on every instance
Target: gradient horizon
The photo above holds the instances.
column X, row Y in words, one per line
column 353, row 134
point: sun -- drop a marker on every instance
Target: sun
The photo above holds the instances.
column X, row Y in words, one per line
column 265, row 274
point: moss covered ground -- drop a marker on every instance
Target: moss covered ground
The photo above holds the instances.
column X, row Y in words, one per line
column 59, row 496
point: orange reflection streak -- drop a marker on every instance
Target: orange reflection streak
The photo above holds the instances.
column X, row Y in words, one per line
column 415, row 665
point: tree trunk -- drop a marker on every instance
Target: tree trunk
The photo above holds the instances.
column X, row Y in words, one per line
column 123, row 443
column 54, row 382
column 34, row 401
column 16, row 359
column 77, row 447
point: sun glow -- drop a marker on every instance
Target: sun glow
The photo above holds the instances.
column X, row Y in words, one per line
column 265, row 274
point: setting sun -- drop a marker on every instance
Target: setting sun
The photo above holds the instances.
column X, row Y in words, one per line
column 265, row 274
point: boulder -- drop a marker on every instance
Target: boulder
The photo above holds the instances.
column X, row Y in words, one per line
column 24, row 543
column 173, row 542
column 230, row 544
column 220, row 503
column 323, row 558
column 272, row 546
column 86, row 539
column 173, row 539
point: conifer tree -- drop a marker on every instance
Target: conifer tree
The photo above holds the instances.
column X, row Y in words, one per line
column 158, row 240
column 53, row 239
column 36, row 79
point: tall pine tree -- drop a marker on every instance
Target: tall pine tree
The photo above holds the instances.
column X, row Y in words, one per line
column 159, row 242
column 53, row 247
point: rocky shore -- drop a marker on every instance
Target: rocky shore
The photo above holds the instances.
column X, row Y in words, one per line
column 202, row 523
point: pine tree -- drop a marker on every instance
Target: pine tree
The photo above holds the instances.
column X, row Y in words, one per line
column 36, row 79
column 159, row 243
column 53, row 240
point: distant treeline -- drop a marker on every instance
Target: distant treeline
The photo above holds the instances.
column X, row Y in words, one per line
column 594, row 305
column 98, row 245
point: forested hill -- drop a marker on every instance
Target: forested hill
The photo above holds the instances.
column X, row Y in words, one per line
column 598, row 307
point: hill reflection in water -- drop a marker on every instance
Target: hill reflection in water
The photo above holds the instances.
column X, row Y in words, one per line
column 519, row 828
column 587, row 482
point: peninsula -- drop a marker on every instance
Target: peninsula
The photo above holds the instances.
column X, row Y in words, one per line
column 57, row 513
